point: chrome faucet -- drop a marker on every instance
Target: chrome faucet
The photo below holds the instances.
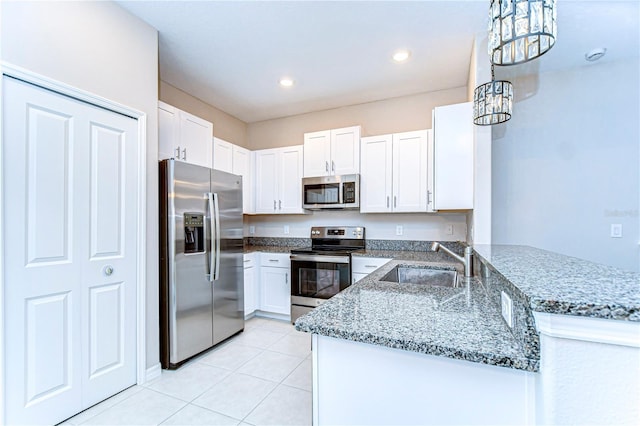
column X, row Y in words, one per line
column 466, row 260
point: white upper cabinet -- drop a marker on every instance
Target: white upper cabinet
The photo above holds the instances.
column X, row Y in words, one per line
column 332, row 152
column 453, row 157
column 376, row 182
column 410, row 168
column 244, row 165
column 317, row 153
column 278, row 180
column 394, row 173
column 235, row 159
column 184, row 136
column 222, row 155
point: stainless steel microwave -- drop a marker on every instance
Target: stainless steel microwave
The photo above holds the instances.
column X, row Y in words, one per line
column 331, row 192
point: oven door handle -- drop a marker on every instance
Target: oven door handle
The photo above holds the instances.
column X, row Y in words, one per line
column 319, row 258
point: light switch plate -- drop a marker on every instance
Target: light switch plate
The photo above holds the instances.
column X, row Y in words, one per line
column 252, row 229
column 286, row 230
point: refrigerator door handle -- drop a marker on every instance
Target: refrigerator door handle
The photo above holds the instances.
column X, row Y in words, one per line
column 212, row 236
column 216, row 233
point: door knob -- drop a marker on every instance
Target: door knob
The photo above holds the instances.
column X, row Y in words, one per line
column 107, row 270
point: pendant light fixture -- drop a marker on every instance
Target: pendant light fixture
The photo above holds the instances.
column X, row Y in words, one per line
column 492, row 102
column 521, row 30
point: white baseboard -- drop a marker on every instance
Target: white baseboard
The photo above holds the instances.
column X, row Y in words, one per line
column 272, row 315
column 152, row 372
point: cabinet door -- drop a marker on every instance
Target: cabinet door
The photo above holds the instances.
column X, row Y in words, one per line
column 375, row 174
column 266, row 181
column 242, row 165
column 167, row 131
column 275, row 290
column 250, row 302
column 357, row 276
column 317, row 153
column 290, row 199
column 410, row 171
column 453, row 157
column 345, row 151
column 195, row 139
column 222, row 155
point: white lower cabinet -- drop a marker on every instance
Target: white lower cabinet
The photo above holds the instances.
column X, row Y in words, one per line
column 251, row 289
column 275, row 283
column 363, row 266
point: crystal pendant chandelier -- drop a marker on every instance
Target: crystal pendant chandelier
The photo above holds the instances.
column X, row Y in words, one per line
column 520, row 30
column 492, row 102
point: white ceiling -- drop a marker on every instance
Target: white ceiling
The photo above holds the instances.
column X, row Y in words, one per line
column 231, row 54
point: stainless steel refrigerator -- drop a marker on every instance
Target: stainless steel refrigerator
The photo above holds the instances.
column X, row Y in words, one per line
column 201, row 271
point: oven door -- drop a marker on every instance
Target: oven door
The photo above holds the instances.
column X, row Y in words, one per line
column 319, row 276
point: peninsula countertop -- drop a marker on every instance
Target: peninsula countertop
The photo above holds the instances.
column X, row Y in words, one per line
column 559, row 284
column 465, row 323
column 461, row 323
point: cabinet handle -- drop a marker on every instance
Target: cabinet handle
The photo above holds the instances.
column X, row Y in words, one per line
column 184, row 154
column 286, row 278
column 333, row 166
column 247, row 261
column 274, row 205
column 279, row 204
column 273, row 260
column 428, row 197
column 178, row 152
column 395, row 201
column 326, row 166
column 387, row 201
column 370, row 266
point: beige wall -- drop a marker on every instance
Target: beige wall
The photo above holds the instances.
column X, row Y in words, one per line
column 376, row 118
column 225, row 126
column 99, row 48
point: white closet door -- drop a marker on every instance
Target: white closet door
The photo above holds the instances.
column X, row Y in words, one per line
column 109, row 264
column 70, row 213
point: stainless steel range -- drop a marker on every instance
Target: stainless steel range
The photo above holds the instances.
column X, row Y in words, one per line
column 323, row 270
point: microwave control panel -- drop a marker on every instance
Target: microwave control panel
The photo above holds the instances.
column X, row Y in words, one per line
column 349, row 192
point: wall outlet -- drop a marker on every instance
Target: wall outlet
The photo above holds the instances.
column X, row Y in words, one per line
column 507, row 308
column 252, row 229
column 399, row 230
column 449, row 229
column 286, row 230
column 616, row 230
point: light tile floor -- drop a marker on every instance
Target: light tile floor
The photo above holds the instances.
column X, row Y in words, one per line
column 260, row 377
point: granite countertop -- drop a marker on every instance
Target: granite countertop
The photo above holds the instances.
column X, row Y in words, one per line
column 559, row 284
column 465, row 323
column 461, row 323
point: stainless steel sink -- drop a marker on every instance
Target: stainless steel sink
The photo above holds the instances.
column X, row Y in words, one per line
column 421, row 275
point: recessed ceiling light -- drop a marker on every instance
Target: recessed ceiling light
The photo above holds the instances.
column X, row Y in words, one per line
column 401, row 55
column 595, row 54
column 286, row 82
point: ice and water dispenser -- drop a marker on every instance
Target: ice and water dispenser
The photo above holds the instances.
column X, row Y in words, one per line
column 193, row 233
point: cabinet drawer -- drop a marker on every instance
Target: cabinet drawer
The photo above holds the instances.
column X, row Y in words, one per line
column 278, row 260
column 366, row 265
column 249, row 260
